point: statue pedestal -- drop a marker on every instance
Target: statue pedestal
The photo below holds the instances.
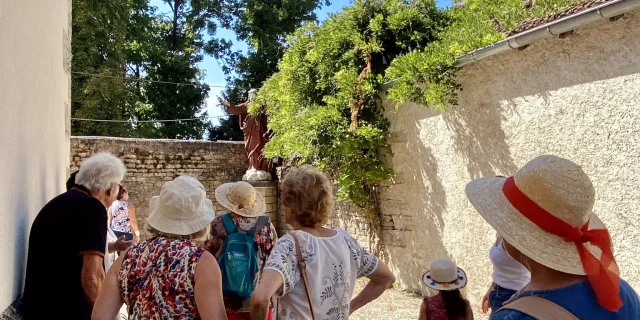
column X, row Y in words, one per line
column 253, row 175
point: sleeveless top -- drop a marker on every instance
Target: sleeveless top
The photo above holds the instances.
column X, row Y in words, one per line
column 507, row 272
column 120, row 221
column 436, row 310
column 157, row 279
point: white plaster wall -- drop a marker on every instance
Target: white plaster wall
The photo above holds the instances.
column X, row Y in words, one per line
column 34, row 124
column 576, row 98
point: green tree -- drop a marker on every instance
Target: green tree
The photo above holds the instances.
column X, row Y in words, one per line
column 428, row 75
column 323, row 102
column 129, row 38
column 98, row 40
column 264, row 26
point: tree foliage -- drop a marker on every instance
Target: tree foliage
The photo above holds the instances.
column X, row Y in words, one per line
column 264, row 26
column 323, row 103
column 130, row 38
column 427, row 75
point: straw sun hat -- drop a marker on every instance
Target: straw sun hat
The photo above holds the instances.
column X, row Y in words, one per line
column 445, row 276
column 557, row 186
column 241, row 198
column 182, row 208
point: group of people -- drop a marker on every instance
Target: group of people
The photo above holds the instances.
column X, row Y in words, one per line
column 552, row 258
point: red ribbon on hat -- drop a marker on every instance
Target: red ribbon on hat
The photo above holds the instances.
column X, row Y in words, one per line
column 603, row 273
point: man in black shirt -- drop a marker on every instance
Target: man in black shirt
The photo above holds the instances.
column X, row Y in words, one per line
column 62, row 282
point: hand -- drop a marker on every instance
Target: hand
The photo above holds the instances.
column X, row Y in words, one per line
column 485, row 302
column 136, row 238
column 121, row 244
column 226, row 103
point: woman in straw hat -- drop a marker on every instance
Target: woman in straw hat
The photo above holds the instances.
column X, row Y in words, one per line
column 168, row 276
column 313, row 270
column 544, row 214
column 448, row 304
column 245, row 214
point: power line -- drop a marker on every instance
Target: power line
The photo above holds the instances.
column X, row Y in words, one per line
column 144, row 121
column 143, row 80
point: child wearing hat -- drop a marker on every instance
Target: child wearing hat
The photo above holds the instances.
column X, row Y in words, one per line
column 448, row 304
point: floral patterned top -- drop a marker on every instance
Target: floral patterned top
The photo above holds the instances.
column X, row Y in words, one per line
column 333, row 265
column 120, row 221
column 265, row 240
column 157, row 279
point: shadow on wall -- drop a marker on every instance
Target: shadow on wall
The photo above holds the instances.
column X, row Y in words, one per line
column 483, row 147
column 436, row 148
column 413, row 206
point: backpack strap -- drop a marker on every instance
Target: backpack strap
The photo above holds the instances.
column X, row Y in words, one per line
column 539, row 308
column 228, row 223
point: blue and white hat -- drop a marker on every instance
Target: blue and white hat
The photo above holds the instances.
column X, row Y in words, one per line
column 445, row 276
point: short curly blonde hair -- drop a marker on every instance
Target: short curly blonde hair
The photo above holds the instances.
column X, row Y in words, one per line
column 308, row 193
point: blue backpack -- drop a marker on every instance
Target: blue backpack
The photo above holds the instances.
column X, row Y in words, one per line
column 239, row 258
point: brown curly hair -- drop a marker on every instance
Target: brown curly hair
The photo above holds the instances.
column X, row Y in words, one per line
column 309, row 195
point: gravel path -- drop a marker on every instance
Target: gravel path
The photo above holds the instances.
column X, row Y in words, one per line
column 393, row 304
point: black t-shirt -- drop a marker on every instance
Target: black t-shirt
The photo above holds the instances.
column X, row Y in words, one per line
column 70, row 225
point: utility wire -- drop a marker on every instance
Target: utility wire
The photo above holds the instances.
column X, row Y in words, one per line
column 143, row 80
column 144, row 121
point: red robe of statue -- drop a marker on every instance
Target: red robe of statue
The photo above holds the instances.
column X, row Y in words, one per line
column 255, row 135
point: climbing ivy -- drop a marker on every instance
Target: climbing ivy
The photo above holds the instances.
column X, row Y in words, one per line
column 427, row 76
column 323, row 104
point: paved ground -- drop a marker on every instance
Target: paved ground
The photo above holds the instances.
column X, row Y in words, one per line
column 393, row 304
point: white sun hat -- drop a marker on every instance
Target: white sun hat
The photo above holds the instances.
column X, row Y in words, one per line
column 241, row 198
column 445, row 276
column 182, row 208
column 558, row 186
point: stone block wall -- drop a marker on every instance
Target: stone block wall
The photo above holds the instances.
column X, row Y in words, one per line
column 150, row 163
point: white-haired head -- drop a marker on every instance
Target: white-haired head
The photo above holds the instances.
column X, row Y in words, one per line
column 99, row 172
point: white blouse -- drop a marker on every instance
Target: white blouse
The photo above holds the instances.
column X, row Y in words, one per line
column 333, row 265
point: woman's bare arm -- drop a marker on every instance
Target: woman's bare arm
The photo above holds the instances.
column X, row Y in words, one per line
column 133, row 220
column 270, row 282
column 208, row 289
column 379, row 281
column 109, row 301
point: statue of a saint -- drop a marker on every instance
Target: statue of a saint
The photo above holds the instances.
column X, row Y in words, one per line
column 255, row 137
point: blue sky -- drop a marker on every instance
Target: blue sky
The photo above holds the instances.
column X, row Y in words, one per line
column 213, row 73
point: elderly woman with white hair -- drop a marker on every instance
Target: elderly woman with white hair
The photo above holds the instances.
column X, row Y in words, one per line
column 62, row 282
column 168, row 275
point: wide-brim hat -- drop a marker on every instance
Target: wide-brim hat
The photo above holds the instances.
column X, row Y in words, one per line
column 241, row 198
column 558, row 186
column 182, row 208
column 444, row 275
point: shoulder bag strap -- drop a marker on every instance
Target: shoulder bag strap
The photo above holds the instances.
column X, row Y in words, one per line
column 303, row 272
column 540, row 308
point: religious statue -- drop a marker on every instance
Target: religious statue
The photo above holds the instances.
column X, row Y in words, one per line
column 255, row 137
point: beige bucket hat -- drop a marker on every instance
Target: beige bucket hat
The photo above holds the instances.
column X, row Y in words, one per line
column 445, row 276
column 558, row 186
column 241, row 198
column 182, row 208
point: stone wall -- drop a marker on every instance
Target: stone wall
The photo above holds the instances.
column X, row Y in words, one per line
column 152, row 162
column 575, row 97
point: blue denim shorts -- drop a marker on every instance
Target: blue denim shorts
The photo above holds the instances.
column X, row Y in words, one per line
column 498, row 296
